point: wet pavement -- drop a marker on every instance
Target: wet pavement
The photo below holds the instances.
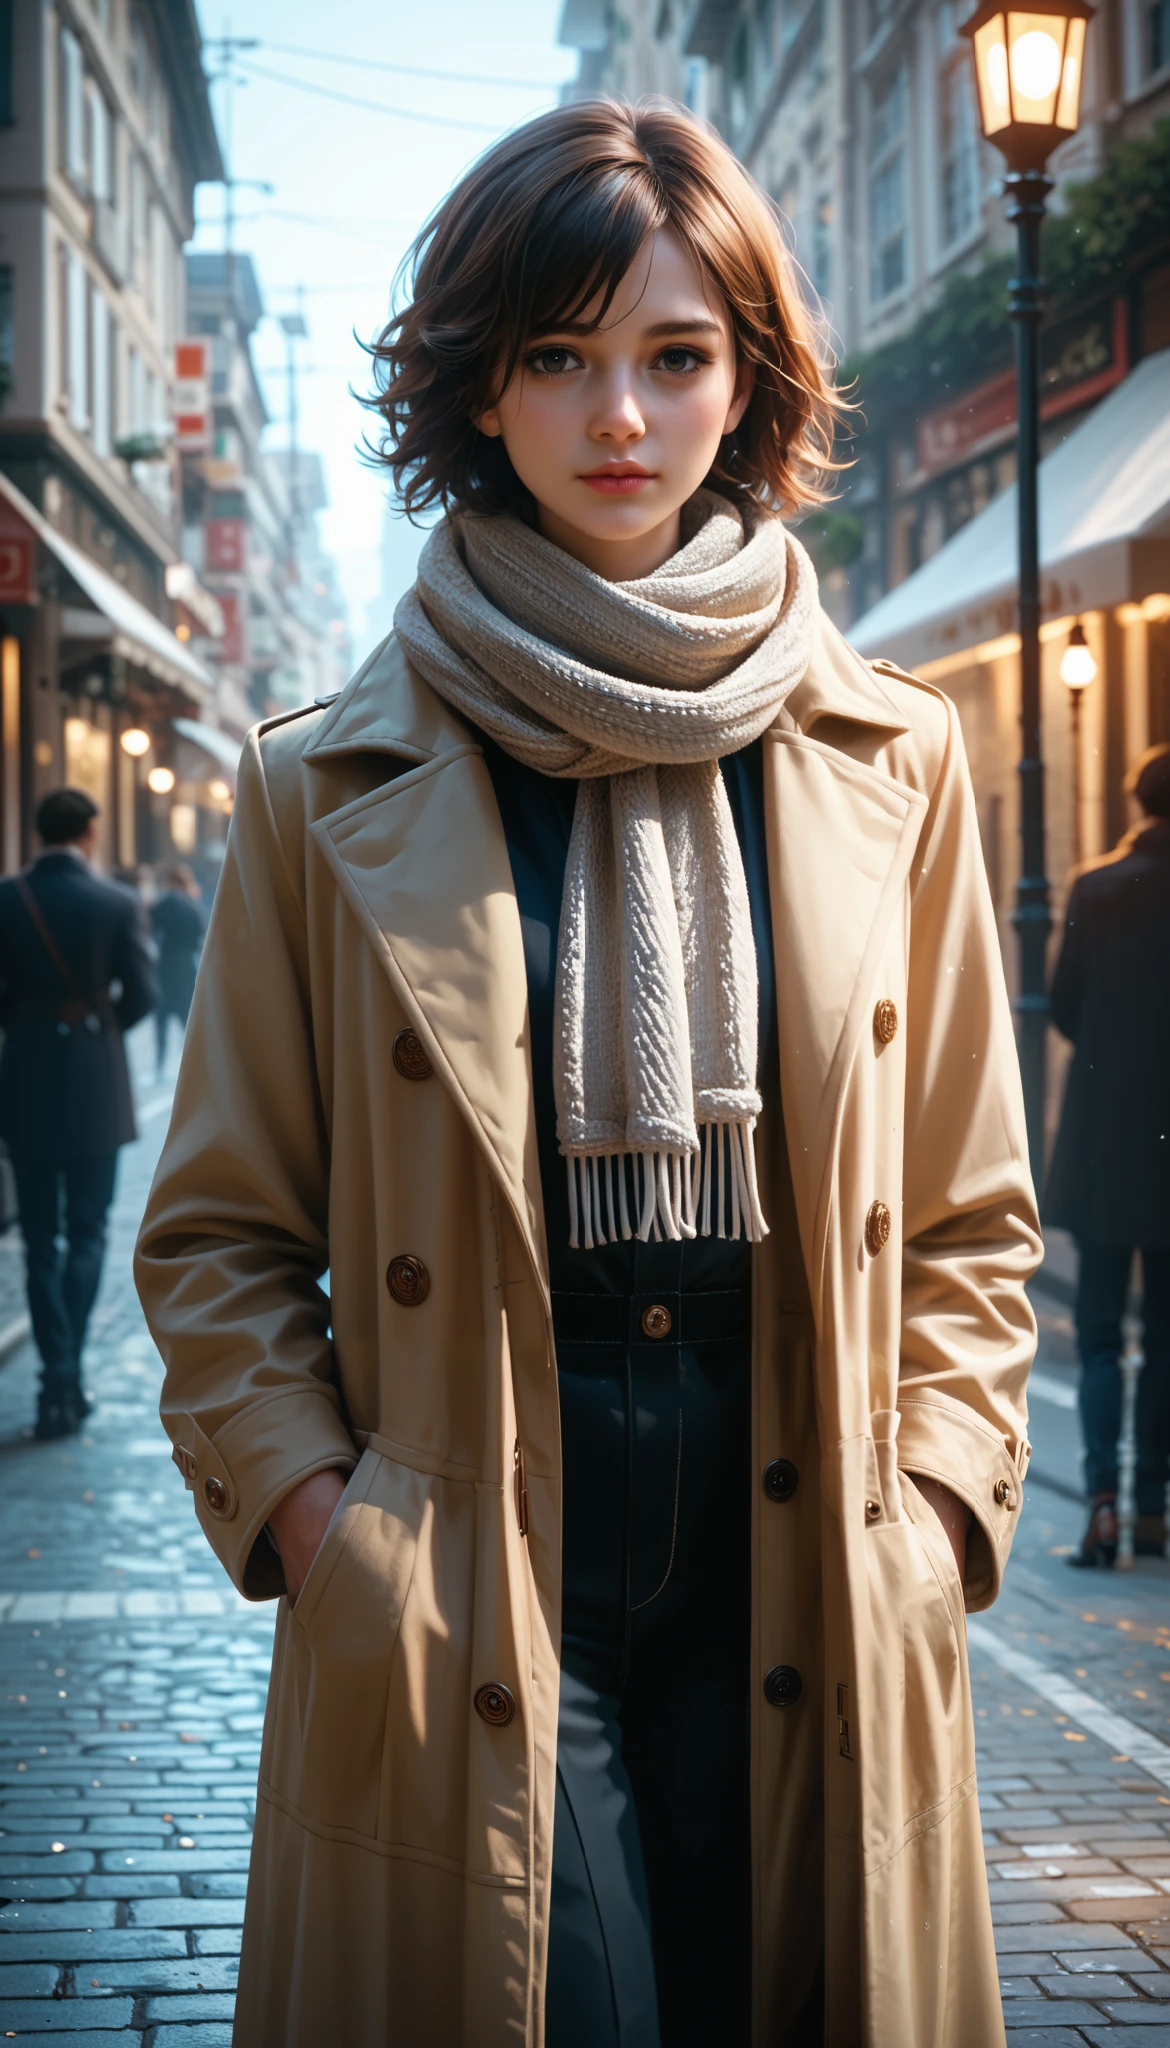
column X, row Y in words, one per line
column 131, row 1693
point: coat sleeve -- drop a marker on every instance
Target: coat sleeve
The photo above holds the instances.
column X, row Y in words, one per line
column 1068, row 981
column 970, row 1231
column 132, row 961
column 234, row 1241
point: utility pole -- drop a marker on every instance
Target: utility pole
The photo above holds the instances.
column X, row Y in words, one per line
column 295, row 328
column 227, row 48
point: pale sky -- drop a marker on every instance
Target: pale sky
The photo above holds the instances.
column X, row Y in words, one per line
column 352, row 187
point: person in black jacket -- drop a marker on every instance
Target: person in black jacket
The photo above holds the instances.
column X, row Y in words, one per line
column 76, row 972
column 176, row 920
column 1110, row 1178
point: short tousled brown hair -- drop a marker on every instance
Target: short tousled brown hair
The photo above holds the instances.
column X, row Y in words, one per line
column 552, row 216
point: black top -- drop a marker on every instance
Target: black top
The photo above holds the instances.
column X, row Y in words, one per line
column 537, row 815
column 1110, row 1176
column 64, row 1090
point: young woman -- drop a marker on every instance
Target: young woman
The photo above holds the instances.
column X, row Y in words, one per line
column 605, row 990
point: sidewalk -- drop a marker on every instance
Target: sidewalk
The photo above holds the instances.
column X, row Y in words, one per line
column 132, row 1683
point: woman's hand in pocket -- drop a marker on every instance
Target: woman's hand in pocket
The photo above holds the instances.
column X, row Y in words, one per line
column 299, row 1522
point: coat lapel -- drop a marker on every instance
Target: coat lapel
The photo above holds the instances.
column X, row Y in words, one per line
column 841, row 839
column 424, row 866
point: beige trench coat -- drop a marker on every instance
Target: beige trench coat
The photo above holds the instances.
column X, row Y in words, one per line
column 400, row 1874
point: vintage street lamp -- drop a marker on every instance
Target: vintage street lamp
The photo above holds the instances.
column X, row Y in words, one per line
column 1029, row 63
column 1077, row 670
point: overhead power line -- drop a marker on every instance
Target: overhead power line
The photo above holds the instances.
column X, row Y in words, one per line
column 348, row 99
column 416, row 70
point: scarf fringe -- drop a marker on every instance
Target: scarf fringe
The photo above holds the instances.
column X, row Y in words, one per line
column 664, row 1194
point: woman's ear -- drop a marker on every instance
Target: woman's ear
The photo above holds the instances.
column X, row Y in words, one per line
column 488, row 422
column 745, row 384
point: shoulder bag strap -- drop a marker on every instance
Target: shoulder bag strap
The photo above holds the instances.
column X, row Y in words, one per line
column 46, row 938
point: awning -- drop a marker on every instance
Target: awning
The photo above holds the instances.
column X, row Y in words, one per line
column 1104, row 536
column 131, row 630
column 220, row 745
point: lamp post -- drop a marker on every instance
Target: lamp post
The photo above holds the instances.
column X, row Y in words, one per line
column 1077, row 670
column 1029, row 64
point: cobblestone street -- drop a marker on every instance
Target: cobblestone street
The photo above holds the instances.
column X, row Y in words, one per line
column 132, row 1682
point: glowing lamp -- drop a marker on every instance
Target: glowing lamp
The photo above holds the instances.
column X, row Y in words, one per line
column 135, row 742
column 1077, row 667
column 218, row 791
column 1029, row 65
column 161, row 781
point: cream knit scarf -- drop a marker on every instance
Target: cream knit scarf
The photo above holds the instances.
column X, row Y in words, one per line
column 636, row 689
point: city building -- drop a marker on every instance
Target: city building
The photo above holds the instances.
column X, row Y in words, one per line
column 105, row 130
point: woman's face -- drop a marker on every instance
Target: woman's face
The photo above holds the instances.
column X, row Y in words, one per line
column 613, row 428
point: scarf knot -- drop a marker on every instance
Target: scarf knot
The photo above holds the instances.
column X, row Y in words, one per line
column 636, row 690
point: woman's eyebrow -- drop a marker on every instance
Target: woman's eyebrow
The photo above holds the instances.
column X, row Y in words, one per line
column 700, row 326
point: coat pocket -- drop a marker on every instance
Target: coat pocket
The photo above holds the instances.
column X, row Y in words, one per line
column 328, row 1717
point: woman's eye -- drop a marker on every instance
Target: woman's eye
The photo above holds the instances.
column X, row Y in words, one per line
column 681, row 361
column 552, row 362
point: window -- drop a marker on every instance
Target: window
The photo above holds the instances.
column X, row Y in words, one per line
column 822, row 247
column 1158, row 35
column 73, row 139
column 100, row 152
column 138, row 420
column 7, row 115
column 887, row 205
column 76, row 340
column 739, row 74
column 100, row 372
column 959, row 152
column 695, row 86
column 6, row 310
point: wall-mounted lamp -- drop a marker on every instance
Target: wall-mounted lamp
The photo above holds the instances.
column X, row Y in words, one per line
column 135, row 742
column 161, row 781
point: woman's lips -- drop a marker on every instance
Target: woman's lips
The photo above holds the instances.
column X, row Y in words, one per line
column 617, row 483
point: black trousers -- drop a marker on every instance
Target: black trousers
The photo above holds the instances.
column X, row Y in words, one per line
column 1102, row 1286
column 650, row 1939
column 70, row 1202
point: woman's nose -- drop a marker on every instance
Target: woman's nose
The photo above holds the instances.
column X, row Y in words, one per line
column 617, row 415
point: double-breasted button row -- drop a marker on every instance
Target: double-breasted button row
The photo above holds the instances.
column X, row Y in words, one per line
column 783, row 1685
column 780, row 1479
column 885, row 1021
column 878, row 1224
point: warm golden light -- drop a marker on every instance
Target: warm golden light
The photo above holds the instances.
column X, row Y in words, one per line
column 1029, row 63
column 161, row 781
column 1077, row 666
column 219, row 790
column 135, row 742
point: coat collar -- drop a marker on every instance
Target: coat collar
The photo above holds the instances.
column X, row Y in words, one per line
column 423, row 862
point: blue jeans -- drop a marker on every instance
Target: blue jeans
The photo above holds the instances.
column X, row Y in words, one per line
column 63, row 1279
column 1101, row 1295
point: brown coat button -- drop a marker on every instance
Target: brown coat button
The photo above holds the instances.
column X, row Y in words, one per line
column 656, row 1320
column 495, row 1705
column 783, row 1685
column 409, row 1057
column 1004, row 1494
column 885, row 1020
column 877, row 1228
column 408, row 1280
column 215, row 1493
column 873, row 1509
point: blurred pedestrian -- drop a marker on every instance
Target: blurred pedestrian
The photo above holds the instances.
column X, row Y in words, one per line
column 76, row 972
column 1110, row 1178
column 177, row 922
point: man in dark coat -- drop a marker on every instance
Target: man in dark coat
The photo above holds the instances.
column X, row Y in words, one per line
column 76, row 972
column 1110, row 1178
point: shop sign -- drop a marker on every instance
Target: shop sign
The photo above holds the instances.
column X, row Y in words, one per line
column 1079, row 360
column 224, row 545
column 231, row 604
column 16, row 568
column 191, row 397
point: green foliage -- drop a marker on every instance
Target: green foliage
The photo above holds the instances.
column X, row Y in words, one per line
column 1106, row 226
column 833, row 539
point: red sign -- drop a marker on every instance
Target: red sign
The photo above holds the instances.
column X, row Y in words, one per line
column 224, row 544
column 191, row 396
column 946, row 436
column 231, row 604
column 16, row 568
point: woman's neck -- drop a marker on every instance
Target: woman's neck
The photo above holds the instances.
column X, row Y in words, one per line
column 622, row 560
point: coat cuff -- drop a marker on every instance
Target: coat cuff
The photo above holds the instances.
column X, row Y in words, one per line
column 940, row 1438
column 238, row 1476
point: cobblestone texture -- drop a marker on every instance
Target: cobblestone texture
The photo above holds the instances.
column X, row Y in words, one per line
column 131, row 1694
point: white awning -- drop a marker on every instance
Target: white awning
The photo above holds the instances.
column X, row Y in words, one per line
column 136, row 633
column 220, row 745
column 1104, row 536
